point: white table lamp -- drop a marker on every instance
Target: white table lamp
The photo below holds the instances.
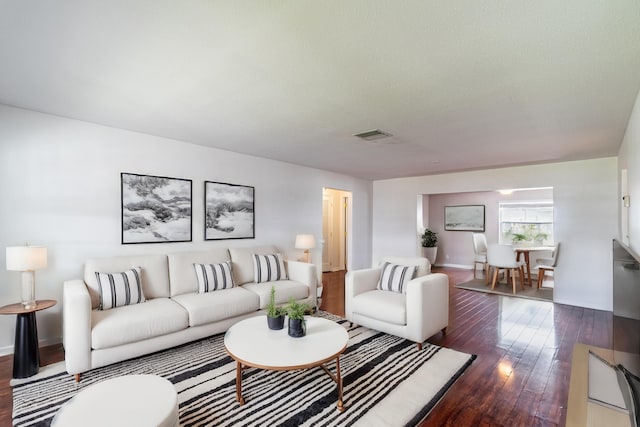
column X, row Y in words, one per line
column 306, row 242
column 27, row 259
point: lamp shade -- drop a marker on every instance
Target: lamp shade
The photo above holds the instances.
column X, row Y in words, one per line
column 26, row 258
column 305, row 241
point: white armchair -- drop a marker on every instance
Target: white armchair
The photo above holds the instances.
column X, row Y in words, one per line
column 417, row 313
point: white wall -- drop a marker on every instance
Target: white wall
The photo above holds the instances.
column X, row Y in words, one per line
column 629, row 158
column 60, row 188
column 585, row 204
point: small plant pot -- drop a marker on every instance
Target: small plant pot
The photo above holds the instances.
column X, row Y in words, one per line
column 297, row 328
column 276, row 323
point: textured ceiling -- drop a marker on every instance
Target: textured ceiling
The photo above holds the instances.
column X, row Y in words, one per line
column 461, row 84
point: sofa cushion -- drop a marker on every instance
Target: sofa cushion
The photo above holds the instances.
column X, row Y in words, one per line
column 285, row 289
column 242, row 262
column 133, row 323
column 214, row 277
column 118, row 289
column 219, row 305
column 268, row 268
column 183, row 275
column 154, row 274
column 395, row 277
column 389, row 307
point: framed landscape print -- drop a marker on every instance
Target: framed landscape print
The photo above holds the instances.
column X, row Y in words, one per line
column 464, row 218
column 155, row 209
column 229, row 211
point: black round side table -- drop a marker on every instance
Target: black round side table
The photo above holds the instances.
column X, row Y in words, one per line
column 26, row 355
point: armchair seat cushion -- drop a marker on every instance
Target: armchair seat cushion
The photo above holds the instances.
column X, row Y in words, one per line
column 386, row 306
column 133, row 323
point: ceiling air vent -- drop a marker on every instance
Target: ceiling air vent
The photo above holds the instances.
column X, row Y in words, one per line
column 372, row 135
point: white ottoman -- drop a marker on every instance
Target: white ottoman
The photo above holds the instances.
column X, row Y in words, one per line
column 131, row 400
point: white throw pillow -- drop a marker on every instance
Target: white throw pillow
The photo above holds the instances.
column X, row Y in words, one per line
column 268, row 268
column 119, row 289
column 395, row 277
column 214, row 277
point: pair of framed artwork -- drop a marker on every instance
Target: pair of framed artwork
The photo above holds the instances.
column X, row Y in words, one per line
column 157, row 209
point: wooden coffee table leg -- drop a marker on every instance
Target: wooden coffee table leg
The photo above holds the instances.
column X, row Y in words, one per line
column 239, row 397
column 339, row 384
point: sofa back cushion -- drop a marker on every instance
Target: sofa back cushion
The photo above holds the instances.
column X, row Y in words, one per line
column 182, row 273
column 242, row 261
column 154, row 273
column 423, row 267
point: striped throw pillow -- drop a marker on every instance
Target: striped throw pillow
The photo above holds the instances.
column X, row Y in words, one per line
column 214, row 277
column 395, row 277
column 268, row 268
column 120, row 289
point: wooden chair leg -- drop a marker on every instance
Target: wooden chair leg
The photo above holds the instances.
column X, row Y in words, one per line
column 77, row 377
column 419, row 346
column 474, row 269
column 495, row 277
column 513, row 280
column 541, row 273
column 522, row 277
column 540, row 277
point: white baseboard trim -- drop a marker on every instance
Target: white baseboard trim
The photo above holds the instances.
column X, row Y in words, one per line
column 41, row 343
column 463, row 266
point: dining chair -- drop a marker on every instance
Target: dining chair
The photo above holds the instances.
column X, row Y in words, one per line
column 503, row 257
column 480, row 254
column 545, row 265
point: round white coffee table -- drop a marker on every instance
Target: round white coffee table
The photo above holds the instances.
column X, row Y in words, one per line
column 131, row 400
column 251, row 343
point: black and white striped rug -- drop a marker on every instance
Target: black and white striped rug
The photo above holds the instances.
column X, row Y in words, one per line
column 387, row 382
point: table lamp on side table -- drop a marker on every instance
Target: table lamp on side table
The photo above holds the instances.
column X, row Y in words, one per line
column 27, row 259
column 306, row 242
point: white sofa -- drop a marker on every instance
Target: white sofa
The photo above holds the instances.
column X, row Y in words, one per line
column 174, row 312
column 416, row 314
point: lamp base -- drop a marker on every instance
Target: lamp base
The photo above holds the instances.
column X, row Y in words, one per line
column 28, row 290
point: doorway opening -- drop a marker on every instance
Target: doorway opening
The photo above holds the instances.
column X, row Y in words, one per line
column 336, row 209
column 336, row 247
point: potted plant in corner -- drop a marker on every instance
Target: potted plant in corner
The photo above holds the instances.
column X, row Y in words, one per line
column 275, row 314
column 429, row 245
column 296, row 311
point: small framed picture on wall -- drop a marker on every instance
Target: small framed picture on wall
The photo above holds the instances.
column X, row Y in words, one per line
column 464, row 218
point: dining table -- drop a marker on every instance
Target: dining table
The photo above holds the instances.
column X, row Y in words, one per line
column 524, row 252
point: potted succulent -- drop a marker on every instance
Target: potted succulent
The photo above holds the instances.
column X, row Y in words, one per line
column 275, row 314
column 429, row 245
column 539, row 238
column 518, row 239
column 296, row 311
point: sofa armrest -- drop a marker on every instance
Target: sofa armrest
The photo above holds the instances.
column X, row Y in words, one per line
column 427, row 306
column 305, row 273
column 357, row 282
column 76, row 326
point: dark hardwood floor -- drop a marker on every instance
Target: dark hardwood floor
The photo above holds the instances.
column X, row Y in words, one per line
column 524, row 348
